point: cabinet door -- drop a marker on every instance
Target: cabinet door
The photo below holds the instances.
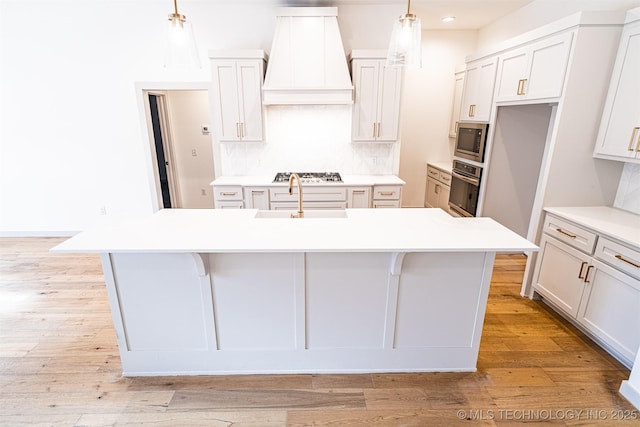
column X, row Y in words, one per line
column 513, row 71
column 611, row 309
column 458, row 86
column 431, row 197
column 226, row 102
column 548, row 62
column 250, row 96
column 536, row 71
column 388, row 103
column 365, row 80
column 619, row 133
column 560, row 274
column 256, row 198
column 443, row 197
column 359, row 197
column 478, row 93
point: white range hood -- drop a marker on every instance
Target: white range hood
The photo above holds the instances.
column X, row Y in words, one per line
column 307, row 63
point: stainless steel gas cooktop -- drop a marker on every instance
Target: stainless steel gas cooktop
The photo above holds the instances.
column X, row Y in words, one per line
column 310, row 177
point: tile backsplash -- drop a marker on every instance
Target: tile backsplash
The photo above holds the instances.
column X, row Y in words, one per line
column 309, row 138
column 628, row 195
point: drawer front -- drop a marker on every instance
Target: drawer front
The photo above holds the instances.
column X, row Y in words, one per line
column 314, row 194
column 570, row 234
column 293, row 206
column 229, row 204
column 445, row 178
column 228, row 192
column 378, row 204
column 433, row 172
column 386, row 192
column 619, row 256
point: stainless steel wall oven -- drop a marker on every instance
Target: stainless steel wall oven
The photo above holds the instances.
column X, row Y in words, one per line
column 465, row 186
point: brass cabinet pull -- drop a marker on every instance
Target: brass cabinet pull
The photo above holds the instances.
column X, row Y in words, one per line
column 586, row 276
column 633, row 134
column 238, row 129
column 437, row 189
column 623, row 259
column 257, row 191
column 386, row 193
column 521, row 83
column 375, row 129
column 561, row 231
column 472, row 110
column 229, row 194
column 241, row 129
column 584, row 263
column 358, row 191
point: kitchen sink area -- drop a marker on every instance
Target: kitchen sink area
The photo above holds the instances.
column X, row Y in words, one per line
column 311, row 214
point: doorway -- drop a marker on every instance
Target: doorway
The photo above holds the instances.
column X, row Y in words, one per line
column 180, row 149
column 164, row 159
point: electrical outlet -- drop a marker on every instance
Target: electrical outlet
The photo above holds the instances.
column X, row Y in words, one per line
column 205, row 129
column 203, row 192
column 103, row 210
column 374, row 160
column 194, row 153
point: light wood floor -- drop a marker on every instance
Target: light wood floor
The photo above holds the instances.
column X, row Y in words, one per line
column 59, row 365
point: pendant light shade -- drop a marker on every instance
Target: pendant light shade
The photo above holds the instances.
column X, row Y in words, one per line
column 180, row 45
column 405, row 48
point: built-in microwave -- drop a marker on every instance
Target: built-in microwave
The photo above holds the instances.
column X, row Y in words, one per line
column 471, row 140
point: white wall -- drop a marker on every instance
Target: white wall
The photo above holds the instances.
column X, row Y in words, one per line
column 541, row 12
column 426, row 108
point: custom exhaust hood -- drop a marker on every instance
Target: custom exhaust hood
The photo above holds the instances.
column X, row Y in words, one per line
column 307, row 63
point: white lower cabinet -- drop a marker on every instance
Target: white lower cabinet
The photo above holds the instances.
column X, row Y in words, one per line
column 359, row 197
column 437, row 189
column 596, row 287
column 387, row 196
column 228, row 197
column 256, row 198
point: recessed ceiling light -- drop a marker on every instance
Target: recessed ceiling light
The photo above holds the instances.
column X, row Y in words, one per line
column 448, row 18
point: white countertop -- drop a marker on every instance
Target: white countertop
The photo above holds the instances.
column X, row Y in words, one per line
column 236, row 230
column 443, row 166
column 347, row 180
column 621, row 225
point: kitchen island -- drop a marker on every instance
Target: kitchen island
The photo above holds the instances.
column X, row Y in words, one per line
column 247, row 291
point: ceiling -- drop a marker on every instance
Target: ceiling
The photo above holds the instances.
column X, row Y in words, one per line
column 470, row 14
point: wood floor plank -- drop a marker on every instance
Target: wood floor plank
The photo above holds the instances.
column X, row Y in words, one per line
column 265, row 399
column 59, row 365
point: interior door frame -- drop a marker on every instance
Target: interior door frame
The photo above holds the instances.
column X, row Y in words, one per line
column 143, row 89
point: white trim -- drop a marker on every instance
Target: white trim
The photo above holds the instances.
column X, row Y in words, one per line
column 630, row 393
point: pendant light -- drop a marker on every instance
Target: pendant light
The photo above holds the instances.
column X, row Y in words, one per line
column 180, row 49
column 405, row 48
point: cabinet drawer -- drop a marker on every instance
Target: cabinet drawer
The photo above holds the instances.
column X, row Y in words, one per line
column 445, row 178
column 228, row 192
column 438, row 175
column 309, row 194
column 569, row 233
column 386, row 192
column 378, row 204
column 619, row 256
column 433, row 172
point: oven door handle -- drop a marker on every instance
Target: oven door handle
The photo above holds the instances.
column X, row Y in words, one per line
column 471, row 181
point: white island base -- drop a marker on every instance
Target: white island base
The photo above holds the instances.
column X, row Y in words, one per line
column 302, row 311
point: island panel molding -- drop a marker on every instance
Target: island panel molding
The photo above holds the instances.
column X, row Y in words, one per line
column 195, row 292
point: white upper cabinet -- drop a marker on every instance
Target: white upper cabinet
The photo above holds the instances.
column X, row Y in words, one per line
column 536, row 71
column 376, row 110
column 479, row 82
column 619, row 134
column 458, row 87
column 237, row 94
